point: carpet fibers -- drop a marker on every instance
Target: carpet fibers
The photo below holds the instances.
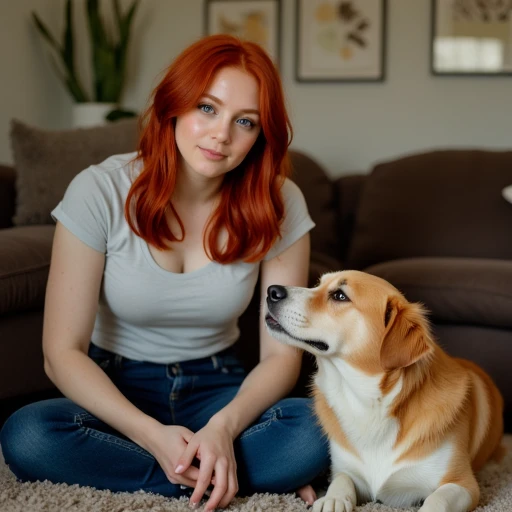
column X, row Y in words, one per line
column 495, row 484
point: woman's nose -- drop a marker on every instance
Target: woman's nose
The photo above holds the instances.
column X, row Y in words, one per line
column 221, row 131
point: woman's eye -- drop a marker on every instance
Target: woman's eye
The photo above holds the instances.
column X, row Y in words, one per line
column 246, row 123
column 339, row 296
column 207, row 109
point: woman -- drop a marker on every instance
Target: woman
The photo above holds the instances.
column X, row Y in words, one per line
column 156, row 255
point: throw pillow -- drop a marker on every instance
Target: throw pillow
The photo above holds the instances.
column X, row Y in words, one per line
column 47, row 161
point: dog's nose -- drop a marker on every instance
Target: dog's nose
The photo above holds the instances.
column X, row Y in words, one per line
column 276, row 293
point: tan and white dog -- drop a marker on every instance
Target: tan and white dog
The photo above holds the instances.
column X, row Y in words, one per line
column 407, row 423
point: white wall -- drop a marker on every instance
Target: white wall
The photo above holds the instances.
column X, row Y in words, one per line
column 345, row 126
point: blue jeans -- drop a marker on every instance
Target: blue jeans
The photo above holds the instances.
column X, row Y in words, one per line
column 59, row 441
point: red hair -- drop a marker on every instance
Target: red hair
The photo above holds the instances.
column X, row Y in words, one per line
column 251, row 205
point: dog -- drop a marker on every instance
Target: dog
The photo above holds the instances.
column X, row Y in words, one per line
column 407, row 424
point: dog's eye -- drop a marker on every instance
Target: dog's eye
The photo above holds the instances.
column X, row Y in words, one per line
column 339, row 296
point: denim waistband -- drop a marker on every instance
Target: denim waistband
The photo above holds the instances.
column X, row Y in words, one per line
column 226, row 357
column 222, row 359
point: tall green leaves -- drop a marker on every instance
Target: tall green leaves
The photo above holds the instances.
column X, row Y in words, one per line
column 65, row 51
column 108, row 51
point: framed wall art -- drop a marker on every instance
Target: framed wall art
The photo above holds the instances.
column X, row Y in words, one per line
column 255, row 20
column 471, row 37
column 340, row 40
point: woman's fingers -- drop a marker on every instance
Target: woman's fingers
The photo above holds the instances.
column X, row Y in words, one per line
column 192, row 473
column 203, row 480
column 182, row 480
column 232, row 489
column 186, row 458
column 187, row 477
column 170, row 449
column 221, row 485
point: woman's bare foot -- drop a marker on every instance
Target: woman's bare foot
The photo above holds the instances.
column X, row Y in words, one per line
column 307, row 493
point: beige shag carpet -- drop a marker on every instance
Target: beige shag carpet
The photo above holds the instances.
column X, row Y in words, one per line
column 495, row 484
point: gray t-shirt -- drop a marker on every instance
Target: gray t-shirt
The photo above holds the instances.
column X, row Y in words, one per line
column 147, row 313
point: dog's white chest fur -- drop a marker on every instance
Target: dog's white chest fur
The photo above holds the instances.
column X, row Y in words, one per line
column 363, row 414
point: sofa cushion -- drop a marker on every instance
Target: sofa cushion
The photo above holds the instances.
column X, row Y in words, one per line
column 455, row 290
column 47, row 161
column 24, row 262
column 441, row 203
column 319, row 192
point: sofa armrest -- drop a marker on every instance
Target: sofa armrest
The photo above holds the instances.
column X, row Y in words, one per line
column 470, row 291
column 348, row 189
column 7, row 195
column 25, row 253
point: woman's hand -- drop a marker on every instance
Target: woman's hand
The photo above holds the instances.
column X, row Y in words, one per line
column 166, row 443
column 213, row 446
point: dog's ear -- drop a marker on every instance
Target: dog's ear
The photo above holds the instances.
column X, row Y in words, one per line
column 407, row 338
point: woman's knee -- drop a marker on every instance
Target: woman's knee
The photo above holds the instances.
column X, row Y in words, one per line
column 308, row 433
column 299, row 412
column 29, row 437
column 285, row 450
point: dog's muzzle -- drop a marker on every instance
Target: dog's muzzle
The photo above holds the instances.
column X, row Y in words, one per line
column 275, row 294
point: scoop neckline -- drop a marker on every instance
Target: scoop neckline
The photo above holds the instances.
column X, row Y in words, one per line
column 181, row 275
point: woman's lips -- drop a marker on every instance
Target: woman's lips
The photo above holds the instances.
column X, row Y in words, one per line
column 212, row 155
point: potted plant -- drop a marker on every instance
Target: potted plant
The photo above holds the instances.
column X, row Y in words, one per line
column 108, row 51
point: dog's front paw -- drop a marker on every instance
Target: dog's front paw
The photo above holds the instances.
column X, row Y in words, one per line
column 334, row 504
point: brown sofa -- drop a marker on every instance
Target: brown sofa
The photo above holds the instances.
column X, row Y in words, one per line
column 433, row 224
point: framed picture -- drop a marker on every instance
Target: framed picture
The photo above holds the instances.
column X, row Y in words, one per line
column 471, row 37
column 340, row 40
column 255, row 20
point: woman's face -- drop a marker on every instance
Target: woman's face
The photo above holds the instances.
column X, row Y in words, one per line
column 215, row 136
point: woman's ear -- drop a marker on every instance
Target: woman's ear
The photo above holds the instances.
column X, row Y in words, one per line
column 407, row 338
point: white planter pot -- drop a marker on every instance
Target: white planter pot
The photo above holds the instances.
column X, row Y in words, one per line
column 90, row 114
column 507, row 193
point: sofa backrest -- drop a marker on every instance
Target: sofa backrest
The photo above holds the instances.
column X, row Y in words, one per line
column 320, row 195
column 445, row 203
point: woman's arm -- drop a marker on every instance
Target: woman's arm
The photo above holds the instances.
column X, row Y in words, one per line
column 71, row 303
column 272, row 379
column 277, row 373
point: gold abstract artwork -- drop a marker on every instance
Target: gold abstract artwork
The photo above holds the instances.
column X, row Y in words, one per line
column 252, row 26
column 345, row 16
